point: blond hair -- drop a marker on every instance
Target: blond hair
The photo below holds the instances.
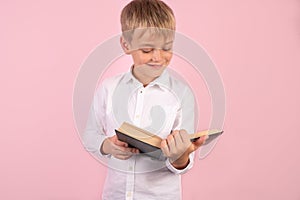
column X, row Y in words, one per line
column 147, row 13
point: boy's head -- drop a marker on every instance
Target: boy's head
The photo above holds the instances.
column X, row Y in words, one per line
column 148, row 28
column 147, row 13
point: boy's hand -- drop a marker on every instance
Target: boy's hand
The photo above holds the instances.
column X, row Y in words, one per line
column 177, row 147
column 117, row 148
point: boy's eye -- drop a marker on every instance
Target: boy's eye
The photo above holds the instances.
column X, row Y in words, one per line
column 146, row 50
column 167, row 49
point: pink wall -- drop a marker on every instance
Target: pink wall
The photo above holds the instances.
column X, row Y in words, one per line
column 255, row 45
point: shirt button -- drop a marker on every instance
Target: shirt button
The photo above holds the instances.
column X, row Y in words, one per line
column 130, row 168
column 128, row 194
column 137, row 116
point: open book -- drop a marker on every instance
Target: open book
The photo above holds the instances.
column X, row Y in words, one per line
column 149, row 143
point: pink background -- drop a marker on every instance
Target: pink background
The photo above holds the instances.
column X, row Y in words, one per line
column 255, row 45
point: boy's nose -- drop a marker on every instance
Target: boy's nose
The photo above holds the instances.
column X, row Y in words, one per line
column 156, row 56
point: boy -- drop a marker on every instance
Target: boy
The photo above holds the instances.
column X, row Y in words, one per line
column 148, row 97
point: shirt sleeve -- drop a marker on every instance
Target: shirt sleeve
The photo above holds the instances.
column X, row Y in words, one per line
column 185, row 119
column 181, row 171
column 94, row 133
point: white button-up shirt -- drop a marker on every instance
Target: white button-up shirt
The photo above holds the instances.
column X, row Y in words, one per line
column 165, row 104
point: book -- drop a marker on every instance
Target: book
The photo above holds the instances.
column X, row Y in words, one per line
column 149, row 143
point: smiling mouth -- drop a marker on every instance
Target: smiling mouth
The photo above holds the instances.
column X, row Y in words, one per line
column 155, row 65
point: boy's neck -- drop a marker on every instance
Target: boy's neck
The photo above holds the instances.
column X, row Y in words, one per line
column 141, row 78
column 144, row 80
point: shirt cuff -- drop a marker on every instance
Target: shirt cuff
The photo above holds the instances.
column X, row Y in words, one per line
column 181, row 171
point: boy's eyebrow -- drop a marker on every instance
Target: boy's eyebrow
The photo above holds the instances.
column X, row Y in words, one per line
column 151, row 45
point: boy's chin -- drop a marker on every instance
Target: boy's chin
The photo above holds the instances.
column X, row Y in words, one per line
column 152, row 70
column 157, row 72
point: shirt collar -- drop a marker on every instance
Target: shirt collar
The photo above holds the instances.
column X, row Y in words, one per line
column 163, row 80
column 129, row 76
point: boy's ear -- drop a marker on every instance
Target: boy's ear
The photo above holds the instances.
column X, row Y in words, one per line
column 124, row 45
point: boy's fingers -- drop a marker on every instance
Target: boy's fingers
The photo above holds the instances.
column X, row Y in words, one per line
column 165, row 148
column 173, row 132
column 184, row 136
column 177, row 139
column 199, row 142
column 134, row 150
column 171, row 142
column 123, row 149
column 122, row 157
column 120, row 143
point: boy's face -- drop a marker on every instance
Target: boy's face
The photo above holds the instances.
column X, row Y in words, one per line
column 151, row 53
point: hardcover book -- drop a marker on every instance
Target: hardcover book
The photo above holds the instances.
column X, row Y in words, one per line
column 149, row 143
